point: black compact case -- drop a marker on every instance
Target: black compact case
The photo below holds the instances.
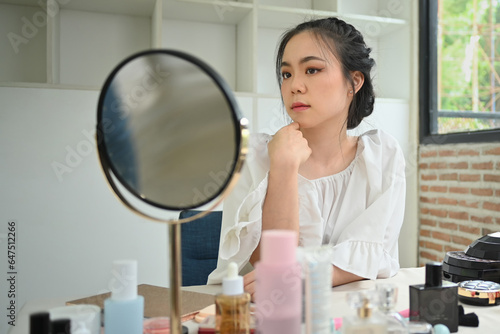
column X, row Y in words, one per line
column 480, row 261
column 435, row 302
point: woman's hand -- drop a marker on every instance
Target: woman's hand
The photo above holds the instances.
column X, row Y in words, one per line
column 288, row 148
column 249, row 283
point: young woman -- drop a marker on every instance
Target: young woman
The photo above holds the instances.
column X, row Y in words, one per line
column 311, row 176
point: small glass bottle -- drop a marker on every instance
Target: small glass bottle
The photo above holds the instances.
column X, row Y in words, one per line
column 232, row 306
column 388, row 295
column 124, row 310
column 435, row 302
column 366, row 321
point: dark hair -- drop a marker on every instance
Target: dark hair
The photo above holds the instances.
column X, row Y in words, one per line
column 348, row 46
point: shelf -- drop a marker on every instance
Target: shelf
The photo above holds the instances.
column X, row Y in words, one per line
column 49, row 86
column 320, row 5
column 30, row 3
column 278, row 17
column 23, row 48
column 218, row 33
column 117, row 7
column 389, row 9
column 54, row 48
column 219, row 12
column 104, row 41
column 283, row 18
column 121, row 7
column 78, row 47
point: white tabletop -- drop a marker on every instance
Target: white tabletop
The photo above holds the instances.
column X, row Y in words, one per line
column 488, row 316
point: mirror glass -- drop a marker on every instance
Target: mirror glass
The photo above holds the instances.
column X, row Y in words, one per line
column 169, row 130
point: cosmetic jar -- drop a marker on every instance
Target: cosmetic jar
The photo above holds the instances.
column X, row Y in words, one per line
column 84, row 317
column 478, row 292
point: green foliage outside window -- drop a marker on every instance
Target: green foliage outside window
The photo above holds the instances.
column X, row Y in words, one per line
column 468, row 63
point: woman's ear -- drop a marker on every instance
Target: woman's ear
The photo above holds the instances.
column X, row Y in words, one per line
column 357, row 79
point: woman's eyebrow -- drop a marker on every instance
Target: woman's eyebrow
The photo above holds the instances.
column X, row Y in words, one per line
column 304, row 60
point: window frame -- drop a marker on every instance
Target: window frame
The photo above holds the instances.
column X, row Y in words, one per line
column 428, row 86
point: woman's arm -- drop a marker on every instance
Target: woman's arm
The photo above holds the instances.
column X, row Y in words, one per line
column 287, row 151
column 340, row 277
column 281, row 205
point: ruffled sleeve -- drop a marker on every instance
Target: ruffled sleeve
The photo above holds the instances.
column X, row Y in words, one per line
column 242, row 210
column 365, row 238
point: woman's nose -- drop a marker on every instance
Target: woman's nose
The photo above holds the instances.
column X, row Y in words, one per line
column 298, row 85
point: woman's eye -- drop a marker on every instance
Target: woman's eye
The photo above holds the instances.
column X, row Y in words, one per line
column 285, row 75
column 312, row 70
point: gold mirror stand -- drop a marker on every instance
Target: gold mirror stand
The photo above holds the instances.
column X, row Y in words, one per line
column 174, row 227
column 174, row 236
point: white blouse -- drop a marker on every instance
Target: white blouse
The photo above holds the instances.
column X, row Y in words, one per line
column 359, row 211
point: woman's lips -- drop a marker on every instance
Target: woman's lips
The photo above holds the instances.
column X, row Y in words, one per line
column 299, row 106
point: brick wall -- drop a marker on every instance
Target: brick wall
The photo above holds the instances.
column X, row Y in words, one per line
column 459, row 196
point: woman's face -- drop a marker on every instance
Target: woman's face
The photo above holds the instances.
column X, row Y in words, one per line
column 314, row 89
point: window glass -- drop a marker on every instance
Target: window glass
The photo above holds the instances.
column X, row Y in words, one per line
column 468, row 66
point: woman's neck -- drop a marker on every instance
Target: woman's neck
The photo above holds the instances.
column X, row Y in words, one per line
column 326, row 142
column 332, row 151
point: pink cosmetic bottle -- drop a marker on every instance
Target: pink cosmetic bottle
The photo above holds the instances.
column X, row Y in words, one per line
column 278, row 290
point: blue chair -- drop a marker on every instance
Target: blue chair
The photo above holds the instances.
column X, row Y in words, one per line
column 199, row 246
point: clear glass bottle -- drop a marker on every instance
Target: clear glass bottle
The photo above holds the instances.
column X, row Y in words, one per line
column 232, row 306
column 366, row 321
column 388, row 294
column 317, row 271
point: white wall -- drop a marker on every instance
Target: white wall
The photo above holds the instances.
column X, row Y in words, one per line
column 70, row 227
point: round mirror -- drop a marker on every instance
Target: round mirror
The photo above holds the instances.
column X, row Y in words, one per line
column 169, row 136
column 169, row 131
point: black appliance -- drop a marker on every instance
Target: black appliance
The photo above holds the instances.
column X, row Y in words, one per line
column 480, row 261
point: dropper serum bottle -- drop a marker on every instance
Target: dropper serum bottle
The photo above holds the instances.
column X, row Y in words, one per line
column 232, row 306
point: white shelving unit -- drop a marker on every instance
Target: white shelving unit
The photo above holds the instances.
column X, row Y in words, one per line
column 74, row 44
